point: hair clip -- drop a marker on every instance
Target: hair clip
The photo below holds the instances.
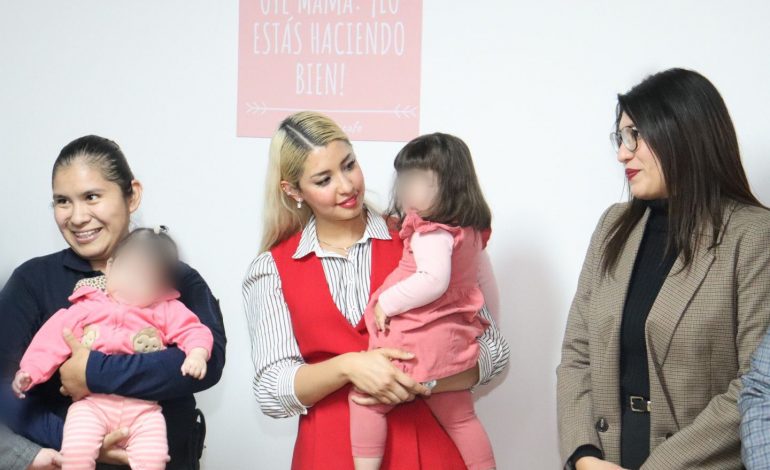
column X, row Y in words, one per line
column 160, row 229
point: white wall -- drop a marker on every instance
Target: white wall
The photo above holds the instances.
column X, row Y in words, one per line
column 529, row 85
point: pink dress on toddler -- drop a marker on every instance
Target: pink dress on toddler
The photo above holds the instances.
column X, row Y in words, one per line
column 103, row 324
column 433, row 300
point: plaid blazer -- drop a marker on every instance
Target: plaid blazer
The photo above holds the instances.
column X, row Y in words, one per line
column 700, row 333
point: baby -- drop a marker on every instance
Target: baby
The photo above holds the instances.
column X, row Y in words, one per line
column 137, row 313
column 429, row 304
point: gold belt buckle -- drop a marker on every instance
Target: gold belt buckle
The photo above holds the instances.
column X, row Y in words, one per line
column 640, row 404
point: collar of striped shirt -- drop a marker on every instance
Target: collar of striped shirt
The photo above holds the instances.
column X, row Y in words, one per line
column 308, row 242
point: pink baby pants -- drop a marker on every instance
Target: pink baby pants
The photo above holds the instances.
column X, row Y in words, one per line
column 453, row 410
column 95, row 416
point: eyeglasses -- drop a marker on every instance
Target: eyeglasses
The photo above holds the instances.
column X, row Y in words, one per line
column 628, row 136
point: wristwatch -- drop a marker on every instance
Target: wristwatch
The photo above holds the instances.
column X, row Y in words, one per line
column 431, row 385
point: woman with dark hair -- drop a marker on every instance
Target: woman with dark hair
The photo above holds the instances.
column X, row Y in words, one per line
column 674, row 294
column 94, row 195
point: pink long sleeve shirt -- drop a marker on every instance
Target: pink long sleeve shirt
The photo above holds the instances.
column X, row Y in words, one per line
column 108, row 326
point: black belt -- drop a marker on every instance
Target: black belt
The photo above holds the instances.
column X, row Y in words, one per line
column 638, row 404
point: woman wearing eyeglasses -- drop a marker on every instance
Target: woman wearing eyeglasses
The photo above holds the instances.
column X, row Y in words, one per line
column 674, row 294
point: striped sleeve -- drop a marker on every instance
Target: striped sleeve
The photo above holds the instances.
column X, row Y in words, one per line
column 274, row 349
column 493, row 350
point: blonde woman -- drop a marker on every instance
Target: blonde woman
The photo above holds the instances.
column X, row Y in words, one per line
column 323, row 253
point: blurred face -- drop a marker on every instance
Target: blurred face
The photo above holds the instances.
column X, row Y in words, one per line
column 133, row 279
column 417, row 190
column 332, row 183
column 90, row 211
column 643, row 170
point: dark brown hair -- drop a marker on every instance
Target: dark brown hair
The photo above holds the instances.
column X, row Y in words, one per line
column 684, row 121
column 460, row 201
column 102, row 153
column 157, row 246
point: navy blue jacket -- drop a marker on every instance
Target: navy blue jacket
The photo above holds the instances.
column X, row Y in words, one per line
column 40, row 287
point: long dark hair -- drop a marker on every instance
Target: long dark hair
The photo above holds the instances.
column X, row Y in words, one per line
column 460, row 201
column 684, row 121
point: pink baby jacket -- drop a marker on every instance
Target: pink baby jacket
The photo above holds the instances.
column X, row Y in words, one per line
column 106, row 325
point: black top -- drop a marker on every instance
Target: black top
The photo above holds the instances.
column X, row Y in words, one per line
column 39, row 288
column 651, row 267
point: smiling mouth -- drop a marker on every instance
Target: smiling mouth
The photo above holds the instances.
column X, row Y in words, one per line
column 86, row 236
column 349, row 202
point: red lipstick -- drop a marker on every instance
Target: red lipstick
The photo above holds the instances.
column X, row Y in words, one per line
column 630, row 173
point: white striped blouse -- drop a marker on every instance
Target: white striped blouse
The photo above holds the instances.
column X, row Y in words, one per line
column 275, row 352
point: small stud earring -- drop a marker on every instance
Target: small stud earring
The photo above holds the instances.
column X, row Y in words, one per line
column 299, row 204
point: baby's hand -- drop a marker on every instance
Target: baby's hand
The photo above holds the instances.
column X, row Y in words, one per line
column 380, row 317
column 195, row 363
column 21, row 383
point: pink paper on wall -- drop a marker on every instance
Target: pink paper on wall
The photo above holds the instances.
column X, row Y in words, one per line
column 358, row 61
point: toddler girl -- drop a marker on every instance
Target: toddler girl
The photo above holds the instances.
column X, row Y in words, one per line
column 137, row 313
column 429, row 304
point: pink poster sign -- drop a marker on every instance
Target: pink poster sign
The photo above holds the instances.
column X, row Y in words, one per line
column 358, row 61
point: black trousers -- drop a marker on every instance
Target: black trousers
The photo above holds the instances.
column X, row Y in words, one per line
column 634, row 438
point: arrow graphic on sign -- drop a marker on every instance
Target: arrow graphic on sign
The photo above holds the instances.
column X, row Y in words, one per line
column 399, row 111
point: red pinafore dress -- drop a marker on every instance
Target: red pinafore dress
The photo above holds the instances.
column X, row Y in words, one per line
column 415, row 439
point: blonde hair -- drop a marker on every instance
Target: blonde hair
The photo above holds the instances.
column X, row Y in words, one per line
column 297, row 136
